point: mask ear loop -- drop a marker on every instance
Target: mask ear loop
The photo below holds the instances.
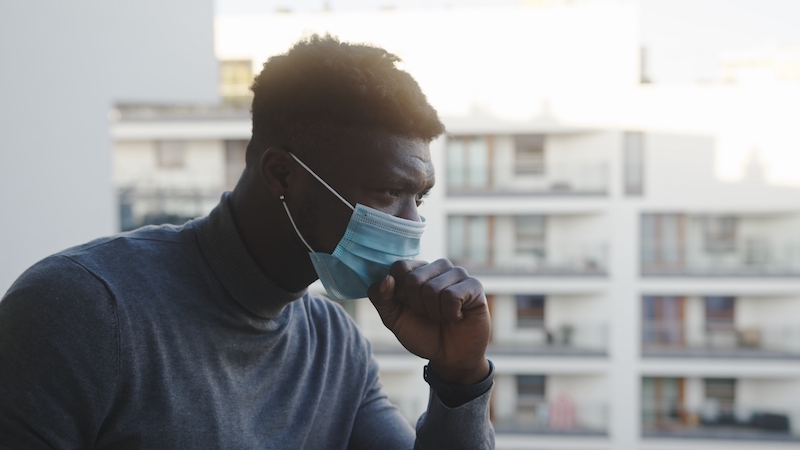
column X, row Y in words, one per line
column 283, row 200
column 321, row 181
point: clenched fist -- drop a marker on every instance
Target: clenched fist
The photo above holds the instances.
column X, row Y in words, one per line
column 438, row 312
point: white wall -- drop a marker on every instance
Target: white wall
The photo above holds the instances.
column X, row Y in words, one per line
column 681, row 175
column 64, row 65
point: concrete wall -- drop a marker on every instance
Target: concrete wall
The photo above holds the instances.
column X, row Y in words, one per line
column 65, row 65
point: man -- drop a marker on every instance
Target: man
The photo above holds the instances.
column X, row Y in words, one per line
column 204, row 335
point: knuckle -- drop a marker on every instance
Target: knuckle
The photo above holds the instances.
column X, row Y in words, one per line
column 450, row 295
column 476, row 283
column 429, row 290
column 461, row 272
column 414, row 280
column 401, row 266
column 444, row 262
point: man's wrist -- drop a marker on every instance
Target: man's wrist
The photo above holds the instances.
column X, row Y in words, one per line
column 463, row 376
column 454, row 395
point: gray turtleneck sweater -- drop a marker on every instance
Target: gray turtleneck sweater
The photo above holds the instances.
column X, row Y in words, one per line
column 172, row 337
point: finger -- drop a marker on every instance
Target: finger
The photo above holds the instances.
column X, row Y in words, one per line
column 381, row 295
column 398, row 270
column 416, row 279
column 431, row 291
column 464, row 297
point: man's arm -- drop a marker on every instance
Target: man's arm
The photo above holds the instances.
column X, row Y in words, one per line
column 59, row 357
column 440, row 313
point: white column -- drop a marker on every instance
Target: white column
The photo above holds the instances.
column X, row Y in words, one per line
column 624, row 301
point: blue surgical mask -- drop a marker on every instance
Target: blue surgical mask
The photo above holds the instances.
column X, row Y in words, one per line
column 372, row 242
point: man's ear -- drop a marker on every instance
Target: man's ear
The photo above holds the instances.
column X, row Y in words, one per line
column 274, row 170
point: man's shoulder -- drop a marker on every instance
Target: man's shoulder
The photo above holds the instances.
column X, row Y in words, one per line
column 149, row 248
column 145, row 237
column 87, row 268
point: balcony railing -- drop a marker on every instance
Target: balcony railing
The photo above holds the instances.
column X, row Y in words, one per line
column 677, row 339
column 710, row 421
column 757, row 257
column 158, row 206
column 554, row 179
column 569, row 259
column 565, row 340
column 559, row 416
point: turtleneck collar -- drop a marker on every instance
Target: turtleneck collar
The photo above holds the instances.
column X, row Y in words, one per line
column 238, row 272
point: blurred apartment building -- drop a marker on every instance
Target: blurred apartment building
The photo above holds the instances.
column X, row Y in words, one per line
column 638, row 301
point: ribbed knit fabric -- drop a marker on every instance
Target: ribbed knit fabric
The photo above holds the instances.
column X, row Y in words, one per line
column 173, row 338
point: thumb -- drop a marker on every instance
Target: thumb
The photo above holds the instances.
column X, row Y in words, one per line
column 381, row 294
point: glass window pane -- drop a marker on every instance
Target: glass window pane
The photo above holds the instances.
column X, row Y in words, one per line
column 478, row 161
column 530, row 311
column 670, row 239
column 479, row 240
column 529, row 155
column 720, row 311
column 456, row 238
column 719, row 234
column 648, row 239
column 530, row 238
column 455, row 162
column 634, row 163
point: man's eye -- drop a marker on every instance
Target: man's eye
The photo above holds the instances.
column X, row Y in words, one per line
column 421, row 197
column 392, row 192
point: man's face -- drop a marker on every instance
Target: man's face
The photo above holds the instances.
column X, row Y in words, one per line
column 388, row 173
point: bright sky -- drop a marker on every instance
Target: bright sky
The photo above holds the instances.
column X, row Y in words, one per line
column 464, row 58
column 683, row 37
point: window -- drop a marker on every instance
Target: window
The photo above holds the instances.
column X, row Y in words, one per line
column 530, row 389
column 235, row 152
column 530, row 311
column 719, row 234
column 662, row 401
column 468, row 163
column 634, row 163
column 720, row 398
column 468, row 240
column 235, row 78
column 662, row 320
column 719, row 312
column 530, row 236
column 663, row 241
column 170, row 154
column 529, row 155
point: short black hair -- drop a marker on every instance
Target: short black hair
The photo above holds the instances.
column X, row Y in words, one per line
column 324, row 84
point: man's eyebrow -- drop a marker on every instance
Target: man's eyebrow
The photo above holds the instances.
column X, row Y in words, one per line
column 410, row 184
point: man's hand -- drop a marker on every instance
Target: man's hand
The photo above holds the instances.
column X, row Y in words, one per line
column 438, row 312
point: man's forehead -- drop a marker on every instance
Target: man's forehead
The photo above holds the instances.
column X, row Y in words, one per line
column 389, row 152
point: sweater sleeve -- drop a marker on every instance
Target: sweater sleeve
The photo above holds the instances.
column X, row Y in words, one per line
column 464, row 427
column 379, row 423
column 59, row 348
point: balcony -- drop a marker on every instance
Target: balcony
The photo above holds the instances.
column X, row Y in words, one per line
column 566, row 179
column 714, row 245
column 529, row 165
column 711, row 421
column 759, row 258
column 564, row 260
column 563, row 340
column 561, row 416
column 140, row 207
column 660, row 339
column 529, row 244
